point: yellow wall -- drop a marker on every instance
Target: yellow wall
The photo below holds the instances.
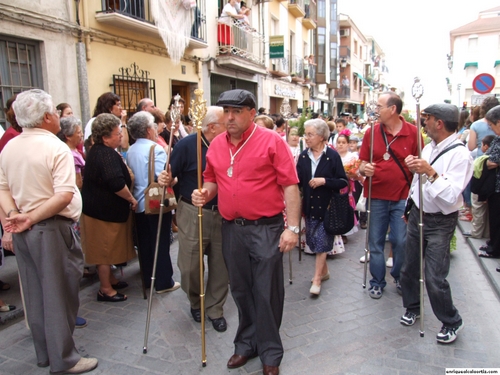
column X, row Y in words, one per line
column 108, row 59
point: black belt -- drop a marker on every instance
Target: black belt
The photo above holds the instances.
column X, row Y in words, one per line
column 439, row 213
column 59, row 217
column 262, row 221
column 211, row 208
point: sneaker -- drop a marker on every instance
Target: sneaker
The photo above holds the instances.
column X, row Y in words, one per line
column 375, row 292
column 389, row 262
column 409, row 318
column 80, row 322
column 362, row 259
column 398, row 288
column 175, row 287
column 448, row 334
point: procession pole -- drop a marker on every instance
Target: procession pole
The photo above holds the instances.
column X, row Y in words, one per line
column 175, row 115
column 286, row 112
column 197, row 112
column 417, row 91
column 371, row 111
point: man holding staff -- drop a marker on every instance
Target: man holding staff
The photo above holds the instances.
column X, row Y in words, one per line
column 394, row 140
column 253, row 172
column 184, row 167
column 446, row 169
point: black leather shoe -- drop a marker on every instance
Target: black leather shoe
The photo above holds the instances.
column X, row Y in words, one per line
column 196, row 314
column 120, row 285
column 220, row 324
column 118, row 297
column 498, row 269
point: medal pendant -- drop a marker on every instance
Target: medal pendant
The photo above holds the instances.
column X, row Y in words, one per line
column 386, row 156
column 230, row 171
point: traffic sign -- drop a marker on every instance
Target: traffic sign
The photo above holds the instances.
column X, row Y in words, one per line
column 483, row 83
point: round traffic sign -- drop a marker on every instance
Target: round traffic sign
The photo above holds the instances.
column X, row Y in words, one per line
column 483, row 83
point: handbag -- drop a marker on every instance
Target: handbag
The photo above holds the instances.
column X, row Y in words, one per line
column 153, row 193
column 339, row 217
column 361, row 205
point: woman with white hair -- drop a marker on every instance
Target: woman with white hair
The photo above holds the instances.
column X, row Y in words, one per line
column 144, row 130
column 320, row 172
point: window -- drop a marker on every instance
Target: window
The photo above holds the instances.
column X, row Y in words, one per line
column 321, row 50
column 20, row 69
column 132, row 85
column 355, row 49
column 321, row 9
column 472, row 47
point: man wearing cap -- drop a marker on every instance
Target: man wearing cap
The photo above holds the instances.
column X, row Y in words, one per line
column 445, row 168
column 393, row 140
column 253, row 172
column 184, row 167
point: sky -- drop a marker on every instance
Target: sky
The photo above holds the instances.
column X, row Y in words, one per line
column 415, row 37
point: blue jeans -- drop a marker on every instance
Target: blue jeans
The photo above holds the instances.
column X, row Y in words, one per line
column 438, row 232
column 384, row 214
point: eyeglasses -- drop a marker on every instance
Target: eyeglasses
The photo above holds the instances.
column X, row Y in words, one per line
column 309, row 135
column 59, row 112
column 379, row 107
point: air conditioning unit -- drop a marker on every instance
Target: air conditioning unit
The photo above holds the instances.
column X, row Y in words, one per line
column 344, row 32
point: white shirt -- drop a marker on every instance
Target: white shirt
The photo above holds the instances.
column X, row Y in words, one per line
column 455, row 171
column 226, row 14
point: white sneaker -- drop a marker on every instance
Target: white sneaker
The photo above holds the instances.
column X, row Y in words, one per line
column 362, row 259
column 83, row 365
column 389, row 262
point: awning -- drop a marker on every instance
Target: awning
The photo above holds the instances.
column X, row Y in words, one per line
column 367, row 83
column 470, row 65
column 496, row 63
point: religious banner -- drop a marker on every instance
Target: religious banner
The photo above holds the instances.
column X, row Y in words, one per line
column 174, row 19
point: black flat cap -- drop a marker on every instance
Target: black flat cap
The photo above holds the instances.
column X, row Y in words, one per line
column 237, row 98
column 442, row 111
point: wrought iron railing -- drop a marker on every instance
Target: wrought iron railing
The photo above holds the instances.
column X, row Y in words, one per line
column 141, row 11
column 300, row 3
column 310, row 10
column 297, row 66
column 240, row 40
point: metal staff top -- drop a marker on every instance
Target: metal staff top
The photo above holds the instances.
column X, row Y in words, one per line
column 371, row 111
column 175, row 111
column 417, row 90
column 198, row 109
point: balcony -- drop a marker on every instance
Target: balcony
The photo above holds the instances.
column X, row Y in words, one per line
column 240, row 47
column 345, row 53
column 280, row 67
column 297, row 69
column 135, row 16
column 296, row 8
column 309, row 20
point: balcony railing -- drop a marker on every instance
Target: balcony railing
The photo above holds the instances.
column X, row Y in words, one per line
column 345, row 52
column 140, row 10
column 296, row 8
column 310, row 17
column 297, row 67
column 240, row 40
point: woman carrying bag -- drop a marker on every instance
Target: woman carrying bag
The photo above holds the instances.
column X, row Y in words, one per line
column 320, row 172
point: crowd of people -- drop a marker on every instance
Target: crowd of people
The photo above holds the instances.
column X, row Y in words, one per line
column 88, row 205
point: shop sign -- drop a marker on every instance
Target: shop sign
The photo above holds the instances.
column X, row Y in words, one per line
column 283, row 91
column 277, row 47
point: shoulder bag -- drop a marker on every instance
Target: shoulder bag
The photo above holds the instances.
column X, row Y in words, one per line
column 153, row 193
column 339, row 217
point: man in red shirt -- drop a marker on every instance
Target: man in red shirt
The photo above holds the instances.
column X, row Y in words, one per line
column 394, row 139
column 253, row 172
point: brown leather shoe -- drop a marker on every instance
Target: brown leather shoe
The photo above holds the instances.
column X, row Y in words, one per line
column 270, row 370
column 236, row 361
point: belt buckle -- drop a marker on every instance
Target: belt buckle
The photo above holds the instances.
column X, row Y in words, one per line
column 239, row 221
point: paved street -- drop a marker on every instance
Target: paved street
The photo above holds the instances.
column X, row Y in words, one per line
column 341, row 332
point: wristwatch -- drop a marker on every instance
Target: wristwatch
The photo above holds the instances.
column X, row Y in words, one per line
column 294, row 229
column 432, row 178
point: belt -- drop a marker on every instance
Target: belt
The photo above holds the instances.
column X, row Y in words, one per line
column 439, row 213
column 211, row 208
column 276, row 219
column 59, row 217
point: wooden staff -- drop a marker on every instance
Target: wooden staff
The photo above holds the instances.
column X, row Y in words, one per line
column 197, row 112
column 175, row 116
column 417, row 91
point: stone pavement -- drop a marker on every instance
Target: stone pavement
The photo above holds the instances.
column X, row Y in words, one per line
column 343, row 331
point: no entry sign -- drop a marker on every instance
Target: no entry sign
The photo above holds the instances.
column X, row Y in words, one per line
column 483, row 83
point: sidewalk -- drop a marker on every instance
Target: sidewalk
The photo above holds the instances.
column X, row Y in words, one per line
column 343, row 331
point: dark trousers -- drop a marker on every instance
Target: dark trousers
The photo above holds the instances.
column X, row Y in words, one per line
column 147, row 228
column 438, row 232
column 255, row 267
column 50, row 263
column 494, row 220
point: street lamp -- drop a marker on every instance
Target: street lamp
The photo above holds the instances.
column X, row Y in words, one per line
column 450, row 61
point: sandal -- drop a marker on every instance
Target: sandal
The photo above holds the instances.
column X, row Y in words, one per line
column 7, row 308
column 4, row 286
column 484, row 254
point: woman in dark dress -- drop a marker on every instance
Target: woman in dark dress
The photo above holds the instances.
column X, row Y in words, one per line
column 106, row 221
